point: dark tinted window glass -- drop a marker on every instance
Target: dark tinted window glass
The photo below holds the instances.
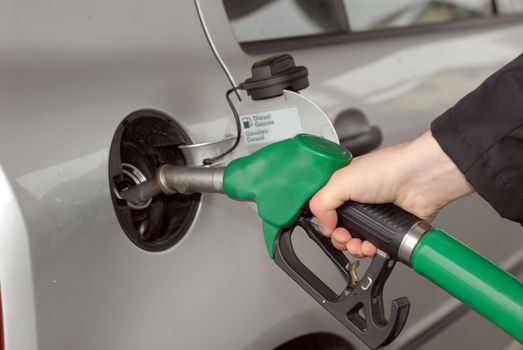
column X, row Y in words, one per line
column 265, row 20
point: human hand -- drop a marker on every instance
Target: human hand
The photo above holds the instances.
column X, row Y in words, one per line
column 416, row 176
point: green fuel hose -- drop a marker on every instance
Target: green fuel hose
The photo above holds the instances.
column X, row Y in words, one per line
column 493, row 293
column 448, row 263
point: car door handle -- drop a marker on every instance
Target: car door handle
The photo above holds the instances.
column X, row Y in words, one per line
column 356, row 133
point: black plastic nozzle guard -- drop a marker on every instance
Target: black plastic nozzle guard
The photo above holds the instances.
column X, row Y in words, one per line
column 359, row 307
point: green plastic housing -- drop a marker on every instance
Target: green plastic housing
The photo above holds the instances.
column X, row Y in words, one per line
column 474, row 280
column 282, row 177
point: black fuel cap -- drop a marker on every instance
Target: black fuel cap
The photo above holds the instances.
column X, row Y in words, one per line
column 274, row 74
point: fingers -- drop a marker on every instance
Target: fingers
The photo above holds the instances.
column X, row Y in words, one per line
column 354, row 248
column 324, row 203
column 340, row 237
column 368, row 249
column 342, row 240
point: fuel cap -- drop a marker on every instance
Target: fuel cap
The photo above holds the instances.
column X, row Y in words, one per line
column 274, row 74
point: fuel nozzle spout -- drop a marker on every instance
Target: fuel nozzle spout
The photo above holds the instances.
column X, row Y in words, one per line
column 186, row 180
column 171, row 179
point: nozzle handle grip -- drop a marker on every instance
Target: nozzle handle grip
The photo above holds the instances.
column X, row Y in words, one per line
column 384, row 225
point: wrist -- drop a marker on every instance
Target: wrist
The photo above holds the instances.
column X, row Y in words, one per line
column 431, row 179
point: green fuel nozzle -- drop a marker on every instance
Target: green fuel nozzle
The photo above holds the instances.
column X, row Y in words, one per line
column 282, row 177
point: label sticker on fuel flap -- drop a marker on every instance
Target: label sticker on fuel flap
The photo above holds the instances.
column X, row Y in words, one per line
column 271, row 126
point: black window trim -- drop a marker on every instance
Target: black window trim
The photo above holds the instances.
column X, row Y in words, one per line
column 307, row 41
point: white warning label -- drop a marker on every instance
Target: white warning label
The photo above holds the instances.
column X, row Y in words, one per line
column 271, row 126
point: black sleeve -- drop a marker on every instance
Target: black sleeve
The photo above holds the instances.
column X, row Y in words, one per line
column 483, row 135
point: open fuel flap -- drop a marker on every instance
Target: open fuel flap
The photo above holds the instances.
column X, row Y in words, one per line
column 145, row 140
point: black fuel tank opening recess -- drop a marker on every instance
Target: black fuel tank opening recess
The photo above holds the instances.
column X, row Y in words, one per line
column 143, row 141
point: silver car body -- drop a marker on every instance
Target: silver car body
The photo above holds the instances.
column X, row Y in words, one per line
column 70, row 71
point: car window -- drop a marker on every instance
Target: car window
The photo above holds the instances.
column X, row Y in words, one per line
column 370, row 15
column 274, row 20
